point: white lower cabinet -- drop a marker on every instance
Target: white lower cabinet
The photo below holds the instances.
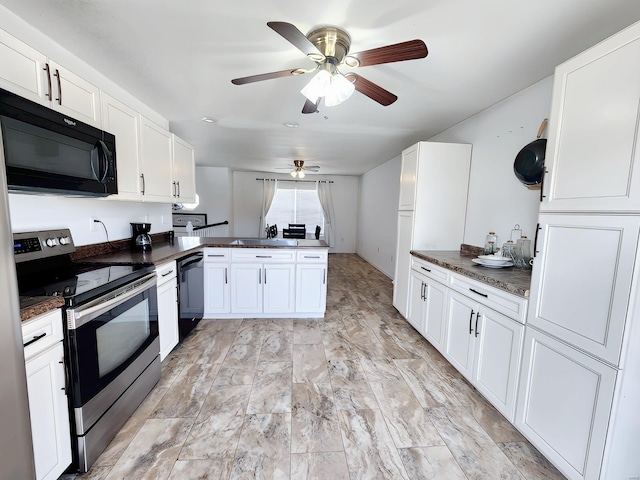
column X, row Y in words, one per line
column 262, row 288
column 564, row 403
column 311, row 281
column 48, row 408
column 217, row 289
column 427, row 307
column 485, row 347
column 167, row 308
column 279, row 288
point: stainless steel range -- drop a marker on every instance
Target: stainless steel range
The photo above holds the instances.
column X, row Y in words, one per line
column 111, row 338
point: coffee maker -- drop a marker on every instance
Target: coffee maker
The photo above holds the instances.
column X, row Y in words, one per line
column 140, row 238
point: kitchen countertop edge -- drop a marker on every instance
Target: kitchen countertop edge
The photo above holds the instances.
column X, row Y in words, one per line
column 513, row 280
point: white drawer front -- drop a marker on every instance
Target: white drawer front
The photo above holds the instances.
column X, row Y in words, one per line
column 41, row 332
column 262, row 255
column 430, row 270
column 512, row 306
column 312, row 256
column 166, row 272
column 216, row 255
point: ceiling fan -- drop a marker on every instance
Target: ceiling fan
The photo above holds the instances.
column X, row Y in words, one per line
column 329, row 47
column 299, row 169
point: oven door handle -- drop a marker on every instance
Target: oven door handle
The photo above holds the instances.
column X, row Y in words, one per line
column 76, row 317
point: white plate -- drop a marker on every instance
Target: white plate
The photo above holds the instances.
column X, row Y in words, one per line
column 490, row 264
column 494, row 258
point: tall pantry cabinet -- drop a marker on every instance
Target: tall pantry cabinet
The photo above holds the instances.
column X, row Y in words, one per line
column 580, row 379
column 432, row 206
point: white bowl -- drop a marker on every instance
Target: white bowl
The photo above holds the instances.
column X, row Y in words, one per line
column 495, row 259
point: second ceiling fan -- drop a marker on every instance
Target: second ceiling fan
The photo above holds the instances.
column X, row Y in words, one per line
column 329, row 47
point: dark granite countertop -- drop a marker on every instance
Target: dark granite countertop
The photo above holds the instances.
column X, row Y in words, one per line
column 181, row 247
column 511, row 279
column 33, row 306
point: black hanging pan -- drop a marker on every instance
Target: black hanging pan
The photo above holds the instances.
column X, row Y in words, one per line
column 529, row 162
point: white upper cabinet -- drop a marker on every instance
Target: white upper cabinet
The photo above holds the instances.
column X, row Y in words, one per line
column 74, row 96
column 408, row 174
column 184, row 175
column 124, row 122
column 593, row 143
column 22, row 69
column 30, row 74
column 581, row 280
column 156, row 170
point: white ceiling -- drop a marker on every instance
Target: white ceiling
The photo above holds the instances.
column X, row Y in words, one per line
column 178, row 57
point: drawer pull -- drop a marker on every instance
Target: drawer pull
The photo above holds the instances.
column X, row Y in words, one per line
column 311, row 256
column 217, row 255
column 35, row 339
column 478, row 293
column 263, row 256
column 425, row 268
column 168, row 273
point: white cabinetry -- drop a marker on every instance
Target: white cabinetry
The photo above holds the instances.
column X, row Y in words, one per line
column 217, row 297
column 428, row 301
column 432, row 175
column 564, row 403
column 593, row 143
column 28, row 73
column 156, row 164
column 262, row 281
column 167, row 307
column 311, row 281
column 582, row 338
column 184, row 175
column 44, row 362
column 124, row 123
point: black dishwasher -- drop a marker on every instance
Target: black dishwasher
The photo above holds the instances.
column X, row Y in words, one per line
column 191, row 296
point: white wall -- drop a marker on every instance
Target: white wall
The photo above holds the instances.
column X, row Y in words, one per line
column 44, row 212
column 377, row 219
column 247, row 206
column 497, row 200
column 215, row 189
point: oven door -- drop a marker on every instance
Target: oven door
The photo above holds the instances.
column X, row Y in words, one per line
column 111, row 340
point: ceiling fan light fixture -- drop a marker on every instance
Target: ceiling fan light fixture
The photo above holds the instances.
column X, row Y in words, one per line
column 340, row 90
column 330, row 84
column 300, row 174
column 294, row 173
column 317, row 86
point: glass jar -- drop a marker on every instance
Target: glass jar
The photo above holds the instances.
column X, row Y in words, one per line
column 522, row 252
column 508, row 249
column 491, row 244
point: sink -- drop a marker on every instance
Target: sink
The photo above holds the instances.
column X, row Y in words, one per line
column 266, row 242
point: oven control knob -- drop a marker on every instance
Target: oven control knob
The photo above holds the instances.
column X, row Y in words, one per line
column 50, row 242
column 63, row 240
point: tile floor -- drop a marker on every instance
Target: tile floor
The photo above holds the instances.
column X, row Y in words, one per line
column 357, row 395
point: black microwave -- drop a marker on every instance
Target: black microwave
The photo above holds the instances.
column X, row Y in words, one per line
column 46, row 151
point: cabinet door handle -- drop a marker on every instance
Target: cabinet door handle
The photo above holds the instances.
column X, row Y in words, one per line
column 35, row 339
column 479, row 293
column 225, row 275
column 66, row 379
column 544, row 172
column 168, row 273
column 324, row 276
column 175, row 189
column 59, row 99
column 143, row 184
column 470, row 320
column 477, row 316
column 260, row 277
column 425, row 268
column 48, row 70
column 265, row 276
column 535, row 240
column 178, row 182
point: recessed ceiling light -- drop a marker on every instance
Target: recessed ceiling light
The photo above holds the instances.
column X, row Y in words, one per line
column 208, row 119
column 291, row 124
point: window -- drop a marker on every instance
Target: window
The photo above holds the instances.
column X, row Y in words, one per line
column 296, row 203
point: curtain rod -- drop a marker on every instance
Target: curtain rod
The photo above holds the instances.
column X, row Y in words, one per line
column 303, row 181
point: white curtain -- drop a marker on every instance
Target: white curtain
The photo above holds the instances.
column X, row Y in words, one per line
column 326, row 201
column 269, row 187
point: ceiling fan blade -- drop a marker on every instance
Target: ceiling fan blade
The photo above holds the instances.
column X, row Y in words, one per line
column 398, row 52
column 268, row 76
column 312, row 167
column 296, row 38
column 310, row 107
column 371, row 90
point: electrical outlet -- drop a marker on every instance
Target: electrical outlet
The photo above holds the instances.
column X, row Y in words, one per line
column 93, row 225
